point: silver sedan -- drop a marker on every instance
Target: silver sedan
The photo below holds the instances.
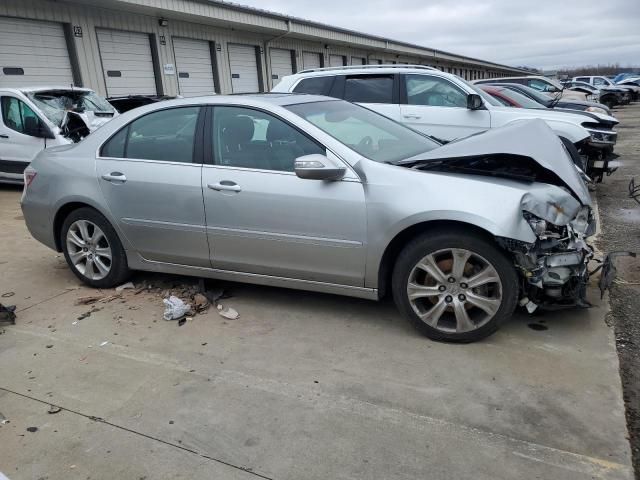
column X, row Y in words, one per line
column 313, row 193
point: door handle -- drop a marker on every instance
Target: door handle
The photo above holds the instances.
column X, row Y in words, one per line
column 225, row 186
column 2, row 135
column 412, row 117
column 114, row 177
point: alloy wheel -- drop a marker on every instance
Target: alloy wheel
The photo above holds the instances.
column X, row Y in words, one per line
column 89, row 249
column 454, row 290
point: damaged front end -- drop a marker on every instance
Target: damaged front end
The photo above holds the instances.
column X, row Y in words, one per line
column 554, row 269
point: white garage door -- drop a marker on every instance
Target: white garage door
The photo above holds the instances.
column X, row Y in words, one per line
column 281, row 64
column 358, row 61
column 126, row 63
column 311, row 60
column 193, row 67
column 244, row 68
column 336, row 61
column 33, row 53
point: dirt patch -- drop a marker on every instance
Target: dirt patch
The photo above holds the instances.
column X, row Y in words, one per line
column 620, row 218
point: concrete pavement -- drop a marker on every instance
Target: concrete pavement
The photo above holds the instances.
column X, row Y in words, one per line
column 302, row 385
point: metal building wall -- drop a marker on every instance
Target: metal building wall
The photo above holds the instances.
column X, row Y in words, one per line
column 91, row 16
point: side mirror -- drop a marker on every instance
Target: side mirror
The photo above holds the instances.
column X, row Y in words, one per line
column 35, row 128
column 318, row 167
column 474, row 102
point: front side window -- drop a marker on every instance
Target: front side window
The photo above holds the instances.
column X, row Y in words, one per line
column 370, row 134
column 369, row 89
column 165, row 135
column 433, row 91
column 583, row 79
column 314, row 85
column 247, row 138
column 540, row 85
column 17, row 115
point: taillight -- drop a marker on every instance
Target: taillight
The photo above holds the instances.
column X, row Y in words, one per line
column 29, row 175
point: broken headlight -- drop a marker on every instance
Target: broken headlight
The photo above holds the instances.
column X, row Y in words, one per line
column 542, row 228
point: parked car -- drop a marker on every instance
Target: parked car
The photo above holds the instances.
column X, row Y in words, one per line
column 36, row 118
column 604, row 97
column 445, row 106
column 557, row 103
column 628, row 93
column 542, row 84
column 129, row 102
column 313, row 193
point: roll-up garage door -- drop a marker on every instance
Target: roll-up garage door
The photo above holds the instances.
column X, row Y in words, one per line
column 193, row 67
column 127, row 63
column 243, row 64
column 336, row 60
column 281, row 64
column 33, row 53
column 358, row 61
column 311, row 60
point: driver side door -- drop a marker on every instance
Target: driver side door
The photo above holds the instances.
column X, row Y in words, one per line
column 438, row 107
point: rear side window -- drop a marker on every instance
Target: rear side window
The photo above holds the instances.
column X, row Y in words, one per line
column 314, row 85
column 369, row 89
column 166, row 135
column 582, row 79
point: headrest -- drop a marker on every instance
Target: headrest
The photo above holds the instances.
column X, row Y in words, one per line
column 238, row 130
column 278, row 130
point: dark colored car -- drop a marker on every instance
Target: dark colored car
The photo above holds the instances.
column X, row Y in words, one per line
column 129, row 102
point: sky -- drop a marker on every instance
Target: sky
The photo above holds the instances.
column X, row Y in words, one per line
column 543, row 34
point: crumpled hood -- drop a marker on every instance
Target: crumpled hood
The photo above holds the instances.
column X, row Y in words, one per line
column 525, row 138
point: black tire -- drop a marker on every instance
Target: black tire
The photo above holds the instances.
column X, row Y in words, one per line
column 119, row 270
column 435, row 241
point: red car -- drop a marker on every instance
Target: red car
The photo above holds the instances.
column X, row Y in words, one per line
column 510, row 98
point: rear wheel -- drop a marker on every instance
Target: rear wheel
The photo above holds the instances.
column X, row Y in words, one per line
column 455, row 286
column 92, row 249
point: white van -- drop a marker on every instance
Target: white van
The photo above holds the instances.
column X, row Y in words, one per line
column 34, row 118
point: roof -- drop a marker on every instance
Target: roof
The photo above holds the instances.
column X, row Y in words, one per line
column 279, row 16
column 369, row 69
column 45, row 88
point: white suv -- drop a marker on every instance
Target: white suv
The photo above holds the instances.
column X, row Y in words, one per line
column 447, row 107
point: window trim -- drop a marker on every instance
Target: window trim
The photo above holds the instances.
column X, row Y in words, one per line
column 208, row 150
column 30, row 107
column 404, row 97
column 197, row 138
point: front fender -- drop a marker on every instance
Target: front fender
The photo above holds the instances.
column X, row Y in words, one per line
column 572, row 132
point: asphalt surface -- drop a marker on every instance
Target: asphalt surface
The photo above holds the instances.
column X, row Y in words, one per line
column 301, row 386
column 620, row 223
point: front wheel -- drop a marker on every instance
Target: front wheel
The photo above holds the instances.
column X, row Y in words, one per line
column 92, row 249
column 455, row 286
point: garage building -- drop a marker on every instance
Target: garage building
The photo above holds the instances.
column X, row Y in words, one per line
column 188, row 47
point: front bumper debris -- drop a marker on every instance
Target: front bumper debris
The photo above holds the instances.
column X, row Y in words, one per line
column 609, row 270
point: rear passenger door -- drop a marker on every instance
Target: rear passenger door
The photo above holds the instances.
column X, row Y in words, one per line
column 378, row 92
column 263, row 219
column 150, row 175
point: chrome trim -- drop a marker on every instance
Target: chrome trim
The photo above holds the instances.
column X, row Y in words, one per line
column 261, row 235
column 137, row 262
column 164, row 225
column 365, row 67
column 144, row 160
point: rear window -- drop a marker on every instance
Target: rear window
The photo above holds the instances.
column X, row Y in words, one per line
column 369, row 89
column 314, row 85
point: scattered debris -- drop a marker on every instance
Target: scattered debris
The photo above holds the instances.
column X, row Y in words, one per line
column 175, row 308
column 74, row 323
column 200, row 303
column 228, row 313
column 89, row 300
column 7, row 314
column 54, row 409
column 125, row 286
column 3, row 419
column 104, row 343
column 49, row 346
column 8, row 294
column 609, row 270
column 182, row 321
column 32, row 429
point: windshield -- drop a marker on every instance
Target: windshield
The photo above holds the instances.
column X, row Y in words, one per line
column 539, row 97
column 522, row 100
column 54, row 103
column 370, row 134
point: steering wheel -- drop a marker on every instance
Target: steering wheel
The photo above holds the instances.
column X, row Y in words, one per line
column 366, row 142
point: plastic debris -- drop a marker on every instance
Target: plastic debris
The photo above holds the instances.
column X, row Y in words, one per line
column 125, row 286
column 175, row 308
column 104, row 343
column 229, row 313
column 182, row 321
column 8, row 294
column 54, row 409
column 7, row 314
column 3, row 419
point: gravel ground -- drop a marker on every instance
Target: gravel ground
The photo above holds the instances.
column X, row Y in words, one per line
column 620, row 219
